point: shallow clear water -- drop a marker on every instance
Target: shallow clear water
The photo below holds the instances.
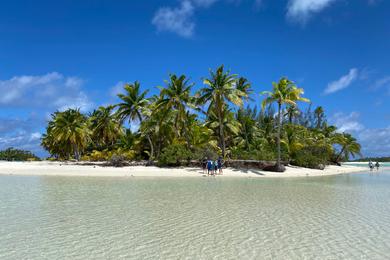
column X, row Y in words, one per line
column 335, row 217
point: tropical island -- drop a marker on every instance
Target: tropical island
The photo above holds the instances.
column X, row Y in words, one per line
column 181, row 126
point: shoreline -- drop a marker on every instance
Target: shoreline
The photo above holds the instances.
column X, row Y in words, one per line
column 48, row 168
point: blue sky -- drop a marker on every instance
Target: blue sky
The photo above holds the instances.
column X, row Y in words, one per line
column 77, row 53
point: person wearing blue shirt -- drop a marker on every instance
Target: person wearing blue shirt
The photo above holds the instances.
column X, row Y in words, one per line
column 209, row 167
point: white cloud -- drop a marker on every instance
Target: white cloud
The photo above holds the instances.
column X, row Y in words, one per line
column 302, row 10
column 14, row 89
column 342, row 83
column 80, row 100
column 112, row 95
column 9, row 125
column 180, row 20
column 40, row 95
column 204, row 3
column 381, row 83
column 35, row 136
column 177, row 20
column 52, row 91
column 117, row 89
column 347, row 122
column 23, row 140
column 22, row 133
column 374, row 141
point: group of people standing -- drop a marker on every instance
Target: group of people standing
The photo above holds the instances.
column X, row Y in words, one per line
column 212, row 167
column 372, row 165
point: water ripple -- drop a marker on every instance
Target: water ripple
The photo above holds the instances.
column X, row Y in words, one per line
column 336, row 217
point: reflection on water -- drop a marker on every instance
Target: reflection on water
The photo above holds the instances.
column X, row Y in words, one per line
column 344, row 216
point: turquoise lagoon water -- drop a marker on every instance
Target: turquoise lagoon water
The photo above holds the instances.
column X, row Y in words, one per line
column 334, row 217
column 381, row 164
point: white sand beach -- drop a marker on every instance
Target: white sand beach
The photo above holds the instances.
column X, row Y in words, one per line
column 46, row 168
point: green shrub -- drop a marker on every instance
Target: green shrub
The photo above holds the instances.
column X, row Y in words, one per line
column 12, row 154
column 262, row 153
column 127, row 155
column 204, row 152
column 96, row 156
column 311, row 157
column 106, row 155
column 174, row 155
column 85, row 158
column 33, row 159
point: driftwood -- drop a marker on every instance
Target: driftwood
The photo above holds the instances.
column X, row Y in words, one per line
column 239, row 164
column 112, row 163
column 252, row 164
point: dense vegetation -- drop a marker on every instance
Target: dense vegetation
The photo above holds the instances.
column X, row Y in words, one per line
column 11, row 154
column 177, row 125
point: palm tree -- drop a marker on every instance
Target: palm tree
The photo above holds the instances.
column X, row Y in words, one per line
column 222, row 125
column 159, row 127
column 328, row 130
column 319, row 113
column 266, row 122
column 49, row 142
column 294, row 137
column 133, row 107
column 221, row 89
column 127, row 140
column 176, row 97
column 244, row 86
column 230, row 125
column 284, row 92
column 106, row 129
column 247, row 118
column 349, row 146
column 69, row 130
column 291, row 112
column 200, row 134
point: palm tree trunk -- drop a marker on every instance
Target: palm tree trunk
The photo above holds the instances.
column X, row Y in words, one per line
column 246, row 140
column 147, row 137
column 341, row 152
column 318, row 122
column 187, row 136
column 158, row 148
column 151, row 148
column 176, row 127
column 221, row 133
column 246, row 135
column 278, row 136
column 76, row 152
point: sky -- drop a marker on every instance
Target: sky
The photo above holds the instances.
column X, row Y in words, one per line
column 78, row 53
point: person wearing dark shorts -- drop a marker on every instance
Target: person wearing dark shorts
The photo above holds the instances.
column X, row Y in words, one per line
column 219, row 164
column 204, row 165
column 215, row 163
